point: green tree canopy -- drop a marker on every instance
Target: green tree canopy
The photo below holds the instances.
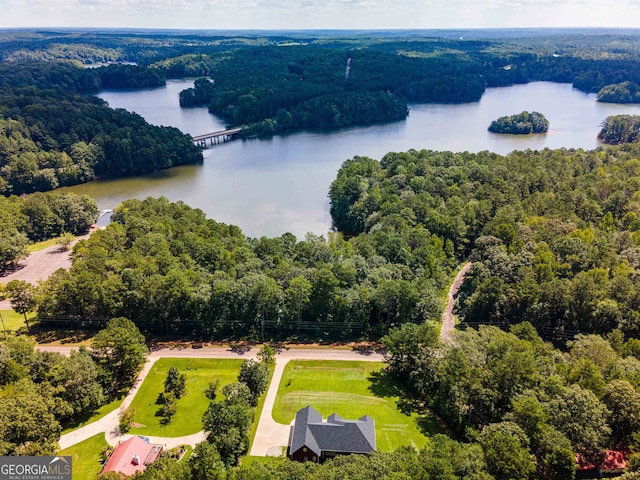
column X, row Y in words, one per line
column 120, row 350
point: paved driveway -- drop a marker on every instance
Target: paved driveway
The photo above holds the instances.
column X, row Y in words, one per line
column 38, row 266
column 270, row 436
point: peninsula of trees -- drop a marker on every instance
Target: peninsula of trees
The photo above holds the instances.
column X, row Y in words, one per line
column 617, row 129
column 625, row 92
column 278, row 89
column 52, row 134
column 522, row 123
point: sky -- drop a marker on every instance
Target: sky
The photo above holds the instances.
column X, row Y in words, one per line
column 318, row 14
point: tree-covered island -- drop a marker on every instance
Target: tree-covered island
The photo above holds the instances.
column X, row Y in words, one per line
column 522, row 123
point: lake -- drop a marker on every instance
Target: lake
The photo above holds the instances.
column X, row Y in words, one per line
column 269, row 186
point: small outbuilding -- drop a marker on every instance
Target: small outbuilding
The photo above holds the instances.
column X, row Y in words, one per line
column 132, row 456
column 316, row 440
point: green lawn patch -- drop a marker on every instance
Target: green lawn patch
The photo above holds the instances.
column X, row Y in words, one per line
column 97, row 415
column 14, row 321
column 34, row 247
column 86, row 457
column 353, row 389
column 190, row 408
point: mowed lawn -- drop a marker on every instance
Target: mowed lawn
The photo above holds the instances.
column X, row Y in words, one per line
column 85, row 463
column 346, row 388
column 190, row 408
column 14, row 321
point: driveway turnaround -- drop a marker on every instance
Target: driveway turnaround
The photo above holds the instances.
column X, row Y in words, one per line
column 270, row 436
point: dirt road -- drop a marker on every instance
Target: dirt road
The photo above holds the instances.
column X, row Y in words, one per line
column 448, row 318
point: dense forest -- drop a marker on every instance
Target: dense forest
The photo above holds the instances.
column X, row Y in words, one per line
column 522, row 123
column 306, row 80
column 172, row 271
column 52, row 135
column 279, row 88
column 306, row 86
column 530, row 407
column 553, row 234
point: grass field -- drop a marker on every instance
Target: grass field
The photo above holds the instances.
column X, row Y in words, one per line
column 353, row 389
column 191, row 407
column 86, row 457
column 14, row 321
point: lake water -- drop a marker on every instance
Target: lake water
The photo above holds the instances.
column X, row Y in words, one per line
column 269, row 186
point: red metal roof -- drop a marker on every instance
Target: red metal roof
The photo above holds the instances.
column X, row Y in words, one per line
column 613, row 460
column 132, row 456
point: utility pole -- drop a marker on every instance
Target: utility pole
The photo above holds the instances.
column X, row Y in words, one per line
column 3, row 326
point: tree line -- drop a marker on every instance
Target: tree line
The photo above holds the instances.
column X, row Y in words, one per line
column 41, row 216
column 173, row 271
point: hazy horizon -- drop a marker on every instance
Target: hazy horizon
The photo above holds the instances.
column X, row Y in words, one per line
column 313, row 15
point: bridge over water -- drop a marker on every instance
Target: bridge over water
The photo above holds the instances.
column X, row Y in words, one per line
column 216, row 137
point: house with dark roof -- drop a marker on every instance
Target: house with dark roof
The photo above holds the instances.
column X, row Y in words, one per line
column 132, row 456
column 316, row 440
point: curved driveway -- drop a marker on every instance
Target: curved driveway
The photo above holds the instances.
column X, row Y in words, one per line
column 269, row 433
